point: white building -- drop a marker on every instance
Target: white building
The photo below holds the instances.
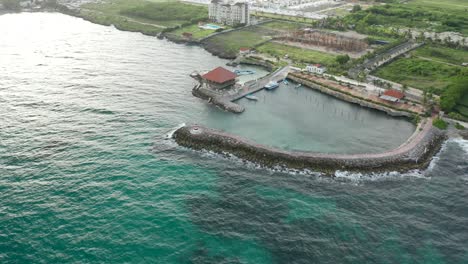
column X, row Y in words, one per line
column 316, row 68
column 229, row 13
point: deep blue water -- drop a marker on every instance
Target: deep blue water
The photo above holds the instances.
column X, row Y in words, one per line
column 86, row 175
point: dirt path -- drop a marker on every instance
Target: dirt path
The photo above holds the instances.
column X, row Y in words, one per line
column 438, row 61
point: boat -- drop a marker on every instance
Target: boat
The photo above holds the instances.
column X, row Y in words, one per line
column 299, row 85
column 244, row 72
column 271, row 85
column 252, row 97
column 286, row 82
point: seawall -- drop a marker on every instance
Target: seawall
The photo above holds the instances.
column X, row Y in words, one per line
column 351, row 99
column 416, row 153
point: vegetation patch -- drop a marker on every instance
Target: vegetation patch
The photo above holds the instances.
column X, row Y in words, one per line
column 459, row 126
column 439, row 123
column 142, row 16
column 429, row 15
column 422, row 74
column 228, row 44
column 297, row 54
column 167, row 11
column 442, row 54
column 195, row 30
column 453, row 98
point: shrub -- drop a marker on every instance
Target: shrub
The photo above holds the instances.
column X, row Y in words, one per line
column 415, row 119
column 342, row 59
column 459, row 126
column 439, row 123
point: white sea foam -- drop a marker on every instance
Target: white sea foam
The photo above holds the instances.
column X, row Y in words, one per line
column 462, row 143
column 171, row 133
column 354, row 177
column 357, row 177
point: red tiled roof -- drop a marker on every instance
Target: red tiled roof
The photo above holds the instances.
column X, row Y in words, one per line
column 394, row 93
column 219, row 75
column 244, row 49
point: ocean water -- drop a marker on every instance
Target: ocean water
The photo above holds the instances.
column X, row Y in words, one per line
column 86, row 174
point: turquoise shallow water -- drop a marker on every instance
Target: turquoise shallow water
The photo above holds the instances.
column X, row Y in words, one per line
column 86, row 176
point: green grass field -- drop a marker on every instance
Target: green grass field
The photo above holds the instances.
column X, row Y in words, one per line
column 148, row 17
column 297, row 54
column 419, row 73
column 197, row 32
column 457, row 6
column 442, row 54
column 233, row 41
column 250, row 37
column 284, row 17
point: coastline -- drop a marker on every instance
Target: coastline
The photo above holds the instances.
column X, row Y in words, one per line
column 395, row 112
column 415, row 153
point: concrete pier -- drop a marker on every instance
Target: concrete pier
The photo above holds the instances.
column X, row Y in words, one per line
column 251, row 88
column 226, row 102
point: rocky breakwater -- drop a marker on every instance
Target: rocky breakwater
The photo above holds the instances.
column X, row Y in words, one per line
column 219, row 100
column 416, row 153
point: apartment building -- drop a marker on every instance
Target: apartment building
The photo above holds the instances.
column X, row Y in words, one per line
column 229, row 13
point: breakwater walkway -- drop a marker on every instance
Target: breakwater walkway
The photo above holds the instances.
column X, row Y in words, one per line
column 416, row 153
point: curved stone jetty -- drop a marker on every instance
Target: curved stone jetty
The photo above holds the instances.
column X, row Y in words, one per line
column 416, row 153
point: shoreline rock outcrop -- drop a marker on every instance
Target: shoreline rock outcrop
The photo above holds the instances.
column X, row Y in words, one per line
column 416, row 153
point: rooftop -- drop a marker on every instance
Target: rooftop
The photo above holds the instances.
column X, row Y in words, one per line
column 394, row 94
column 219, row 75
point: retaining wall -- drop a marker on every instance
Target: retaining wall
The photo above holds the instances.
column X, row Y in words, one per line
column 351, row 99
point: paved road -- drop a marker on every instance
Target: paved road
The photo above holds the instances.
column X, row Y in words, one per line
column 411, row 92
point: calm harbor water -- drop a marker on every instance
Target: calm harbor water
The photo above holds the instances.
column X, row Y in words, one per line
column 86, row 176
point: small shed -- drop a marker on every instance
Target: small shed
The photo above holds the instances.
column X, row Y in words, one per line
column 316, row 68
column 244, row 50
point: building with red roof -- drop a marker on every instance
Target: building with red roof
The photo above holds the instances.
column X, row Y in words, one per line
column 244, row 50
column 392, row 95
column 219, row 78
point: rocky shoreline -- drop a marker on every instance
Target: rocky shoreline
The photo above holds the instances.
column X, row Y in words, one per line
column 416, row 153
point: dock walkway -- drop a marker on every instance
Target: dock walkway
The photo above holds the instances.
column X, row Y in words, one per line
column 256, row 86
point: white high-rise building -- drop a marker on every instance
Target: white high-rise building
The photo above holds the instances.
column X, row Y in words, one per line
column 229, row 13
